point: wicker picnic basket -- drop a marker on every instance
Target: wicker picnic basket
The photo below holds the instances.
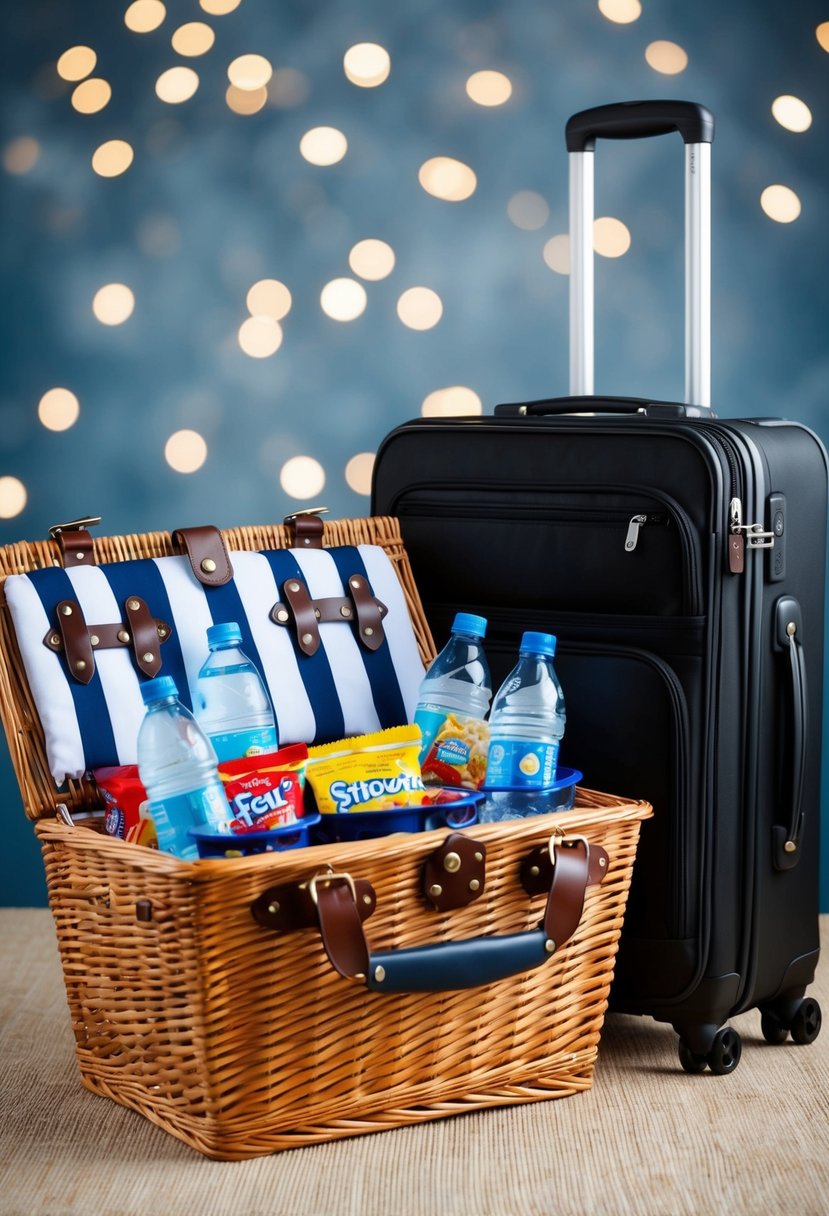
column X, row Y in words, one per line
column 206, row 995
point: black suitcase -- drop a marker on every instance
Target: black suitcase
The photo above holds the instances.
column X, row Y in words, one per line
column 679, row 558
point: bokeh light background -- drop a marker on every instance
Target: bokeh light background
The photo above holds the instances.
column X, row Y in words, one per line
column 242, row 240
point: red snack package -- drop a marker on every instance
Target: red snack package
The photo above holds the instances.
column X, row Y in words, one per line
column 127, row 813
column 265, row 791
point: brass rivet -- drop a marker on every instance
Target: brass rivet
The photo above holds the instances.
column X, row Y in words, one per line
column 549, row 945
column 452, row 863
column 366, row 899
column 273, row 908
column 94, row 640
column 479, row 856
column 379, row 974
column 368, row 631
column 791, row 629
column 133, row 605
column 148, row 657
column 54, row 640
column 79, row 557
column 345, row 610
column 80, row 665
column 355, row 583
column 307, row 638
column 306, row 540
column 790, row 847
column 436, row 890
column 317, row 613
column 123, row 636
column 534, row 871
column 67, row 609
column 293, row 586
column 162, row 632
column 474, row 885
column 282, row 615
column 208, row 565
column 602, row 862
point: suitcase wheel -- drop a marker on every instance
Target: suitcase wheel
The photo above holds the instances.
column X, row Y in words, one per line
column 804, row 1022
column 722, row 1058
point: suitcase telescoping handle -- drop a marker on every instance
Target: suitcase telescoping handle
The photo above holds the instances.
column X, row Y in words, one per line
column 637, row 120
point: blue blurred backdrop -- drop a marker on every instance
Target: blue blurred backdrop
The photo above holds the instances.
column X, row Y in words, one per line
column 186, row 398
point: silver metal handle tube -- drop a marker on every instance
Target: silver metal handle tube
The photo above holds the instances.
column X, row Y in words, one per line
column 582, row 307
column 698, row 274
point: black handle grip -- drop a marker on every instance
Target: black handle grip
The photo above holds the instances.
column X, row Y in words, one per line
column 789, row 636
column 601, row 405
column 639, row 120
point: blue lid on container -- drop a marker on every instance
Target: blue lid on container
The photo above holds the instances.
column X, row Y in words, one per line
column 538, row 643
column 158, row 689
column 224, row 633
column 467, row 622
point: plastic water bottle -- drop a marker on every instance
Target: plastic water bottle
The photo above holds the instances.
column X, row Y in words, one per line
column 452, row 707
column 231, row 703
column 177, row 766
column 527, row 720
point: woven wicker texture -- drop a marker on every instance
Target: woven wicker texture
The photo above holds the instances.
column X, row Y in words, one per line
column 242, row 1041
column 17, row 711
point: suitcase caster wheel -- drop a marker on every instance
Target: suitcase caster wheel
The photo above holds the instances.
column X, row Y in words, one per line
column 773, row 1029
column 806, row 1022
column 690, row 1061
column 725, row 1052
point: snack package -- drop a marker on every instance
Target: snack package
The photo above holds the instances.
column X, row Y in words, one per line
column 126, row 803
column 265, row 791
column 458, row 754
column 374, row 772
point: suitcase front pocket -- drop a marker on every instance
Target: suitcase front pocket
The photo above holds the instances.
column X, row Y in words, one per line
column 570, row 551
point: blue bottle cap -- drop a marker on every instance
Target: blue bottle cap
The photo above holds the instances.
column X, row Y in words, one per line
column 538, row 643
column 467, row 622
column 158, row 689
column 221, row 635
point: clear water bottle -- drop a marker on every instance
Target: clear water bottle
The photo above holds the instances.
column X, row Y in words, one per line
column 452, row 707
column 527, row 720
column 231, row 703
column 177, row 767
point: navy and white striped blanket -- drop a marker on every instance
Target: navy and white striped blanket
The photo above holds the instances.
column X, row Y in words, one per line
column 342, row 690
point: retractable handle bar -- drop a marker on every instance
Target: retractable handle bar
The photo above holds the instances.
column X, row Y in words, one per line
column 640, row 120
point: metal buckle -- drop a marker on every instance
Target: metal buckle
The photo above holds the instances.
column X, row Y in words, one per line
column 306, row 511
column 561, row 838
column 312, row 885
column 86, row 521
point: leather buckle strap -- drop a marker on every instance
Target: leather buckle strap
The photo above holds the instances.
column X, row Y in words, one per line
column 74, row 542
column 305, row 528
column 360, row 608
column 293, row 905
column 209, row 559
column 78, row 641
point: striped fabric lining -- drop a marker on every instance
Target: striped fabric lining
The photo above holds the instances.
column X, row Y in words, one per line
column 342, row 690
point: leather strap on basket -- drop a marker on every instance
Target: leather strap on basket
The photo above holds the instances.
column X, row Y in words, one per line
column 208, row 555
column 78, row 641
column 305, row 528
column 360, row 608
column 75, row 542
column 458, row 964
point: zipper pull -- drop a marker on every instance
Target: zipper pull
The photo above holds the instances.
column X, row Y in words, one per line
column 736, row 540
column 632, row 537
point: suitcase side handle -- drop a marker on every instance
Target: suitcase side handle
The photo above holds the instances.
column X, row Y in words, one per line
column 639, row 120
column 789, row 636
column 453, row 965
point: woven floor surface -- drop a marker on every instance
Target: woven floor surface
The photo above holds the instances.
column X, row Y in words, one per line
column 646, row 1139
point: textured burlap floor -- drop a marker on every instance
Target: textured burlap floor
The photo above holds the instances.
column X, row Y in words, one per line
column 646, row 1139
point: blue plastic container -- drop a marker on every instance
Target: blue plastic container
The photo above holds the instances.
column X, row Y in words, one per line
column 246, row 844
column 517, row 802
column 447, row 807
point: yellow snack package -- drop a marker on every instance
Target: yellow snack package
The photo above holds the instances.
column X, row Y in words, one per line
column 375, row 772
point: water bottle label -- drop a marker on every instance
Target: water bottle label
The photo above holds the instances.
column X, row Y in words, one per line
column 521, row 762
column 176, row 815
column 237, row 744
column 454, row 747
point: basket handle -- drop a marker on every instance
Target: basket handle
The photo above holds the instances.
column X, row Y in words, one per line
column 446, row 966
